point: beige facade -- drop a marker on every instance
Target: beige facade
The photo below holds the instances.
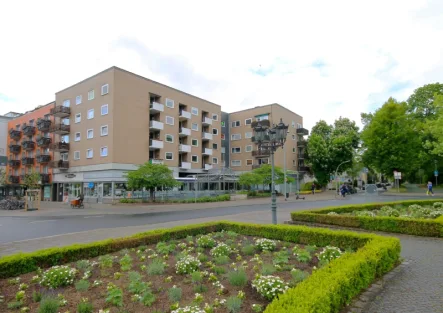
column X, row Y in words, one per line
column 243, row 152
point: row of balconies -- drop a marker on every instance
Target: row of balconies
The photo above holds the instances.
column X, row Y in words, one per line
column 42, row 142
column 29, row 131
column 182, row 165
column 41, row 159
column 15, row 179
column 183, row 115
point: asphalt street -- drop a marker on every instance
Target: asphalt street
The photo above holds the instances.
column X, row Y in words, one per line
column 23, row 228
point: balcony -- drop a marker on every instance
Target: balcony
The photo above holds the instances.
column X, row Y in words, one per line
column 43, row 142
column 301, row 156
column 156, row 161
column 59, row 147
column 14, row 163
column 206, row 121
column 155, row 125
column 156, row 107
column 261, row 153
column 28, row 130
column 155, row 144
column 183, row 132
column 266, row 138
column 264, row 123
column 45, row 178
column 301, row 143
column 62, row 165
column 184, row 115
column 185, row 165
column 60, row 129
column 184, row 148
column 14, row 179
column 206, row 136
column 15, row 134
column 303, row 168
column 208, row 167
column 28, row 145
column 61, row 111
column 44, row 125
column 302, row 131
column 14, row 148
column 28, row 161
column 43, row 158
column 206, row 151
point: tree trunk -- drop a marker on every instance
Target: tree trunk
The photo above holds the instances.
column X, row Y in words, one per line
column 152, row 194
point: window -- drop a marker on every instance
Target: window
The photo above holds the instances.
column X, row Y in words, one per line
column 262, row 117
column 248, row 135
column 235, row 162
column 89, row 153
column 77, row 137
column 248, row 148
column 215, row 131
column 169, row 120
column 65, row 138
column 169, row 103
column 215, row 117
column 235, row 124
column 66, row 103
column 293, row 150
column 222, row 136
column 169, row 156
column 105, row 89
column 223, row 124
column 236, row 150
column 78, row 100
column 214, row 146
column 293, row 137
column 293, row 163
column 249, row 162
column 104, row 151
column 299, row 125
column 235, row 136
column 194, row 142
column 169, row 138
column 194, row 111
column 248, row 121
column 90, row 134
column 194, row 159
column 104, row 109
column 78, row 118
column 66, row 121
column 214, row 161
column 90, row 114
column 293, row 124
column 91, row 95
column 104, row 130
column 64, row 156
column 194, row 126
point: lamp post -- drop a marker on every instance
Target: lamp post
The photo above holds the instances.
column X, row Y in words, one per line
column 337, row 171
column 271, row 139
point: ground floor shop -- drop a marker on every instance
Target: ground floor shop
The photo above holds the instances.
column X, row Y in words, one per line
column 19, row 191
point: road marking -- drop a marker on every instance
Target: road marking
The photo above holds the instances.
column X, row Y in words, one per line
column 93, row 216
column 42, row 221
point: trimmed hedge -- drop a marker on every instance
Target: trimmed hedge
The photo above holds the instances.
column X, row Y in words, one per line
column 326, row 290
column 410, row 226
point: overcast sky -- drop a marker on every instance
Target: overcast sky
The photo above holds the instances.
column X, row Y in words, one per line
column 321, row 59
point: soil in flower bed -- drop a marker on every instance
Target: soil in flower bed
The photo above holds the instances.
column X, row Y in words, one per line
column 160, row 284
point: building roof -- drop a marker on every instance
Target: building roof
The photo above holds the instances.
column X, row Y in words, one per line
column 139, row 76
column 267, row 105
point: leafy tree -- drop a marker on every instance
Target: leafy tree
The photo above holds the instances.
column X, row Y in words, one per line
column 435, row 127
column 151, row 176
column 32, row 179
column 421, row 102
column 264, row 172
column 249, row 179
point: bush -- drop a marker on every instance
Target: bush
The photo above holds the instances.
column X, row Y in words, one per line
column 269, row 286
column 268, row 269
column 238, row 278
column 233, row 304
column 175, row 294
column 82, row 285
column 164, row 248
column 264, row 244
column 248, row 249
column 221, row 250
column 85, row 307
column 187, row 265
column 125, row 200
column 329, row 253
column 58, row 276
column 49, row 305
column 156, row 267
column 206, row 241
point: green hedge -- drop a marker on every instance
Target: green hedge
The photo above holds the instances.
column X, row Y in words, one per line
column 418, row 227
column 219, row 198
column 327, row 290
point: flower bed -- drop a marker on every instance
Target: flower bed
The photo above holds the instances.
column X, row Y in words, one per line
column 414, row 217
column 169, row 271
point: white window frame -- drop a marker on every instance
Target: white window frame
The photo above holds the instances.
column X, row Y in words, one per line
column 101, row 151
column 214, row 117
column 79, row 136
column 193, row 144
column 87, row 153
column 107, row 89
column 64, row 156
column 78, row 100
column 107, row 109
column 239, row 136
column 234, row 165
column 166, row 120
column 172, row 156
column 78, row 118
column 91, row 94
column 233, row 152
column 248, row 119
column 293, row 124
column 248, row 135
column 169, row 100
column 246, row 148
column 166, row 140
column 67, row 103
column 214, row 160
column 192, row 127
column 101, row 130
column 76, row 155
column 252, row 162
column 88, row 115
column 216, row 131
column 192, row 156
column 194, row 109
column 87, row 133
column 234, row 124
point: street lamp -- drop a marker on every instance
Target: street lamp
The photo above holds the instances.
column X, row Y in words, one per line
column 270, row 139
column 337, row 171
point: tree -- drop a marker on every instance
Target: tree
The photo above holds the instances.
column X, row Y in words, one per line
column 330, row 145
column 249, row 179
column 32, row 180
column 265, row 174
column 435, row 128
column 151, row 176
column 421, row 102
column 2, row 177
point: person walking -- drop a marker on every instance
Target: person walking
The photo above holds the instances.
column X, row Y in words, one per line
column 313, row 188
column 429, row 191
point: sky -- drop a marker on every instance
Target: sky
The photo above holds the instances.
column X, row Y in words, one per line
column 321, row 59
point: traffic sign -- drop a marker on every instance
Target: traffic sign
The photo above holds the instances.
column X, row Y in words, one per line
column 435, row 173
column 397, row 175
column 91, row 185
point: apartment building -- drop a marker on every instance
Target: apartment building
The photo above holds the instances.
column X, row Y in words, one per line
column 244, row 155
column 107, row 124
column 28, row 143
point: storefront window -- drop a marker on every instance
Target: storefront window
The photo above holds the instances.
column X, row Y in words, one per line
column 120, row 189
column 107, row 189
column 90, row 189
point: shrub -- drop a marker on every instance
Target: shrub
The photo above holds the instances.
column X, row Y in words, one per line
column 298, row 276
column 126, row 263
column 303, row 256
column 281, row 257
column 85, row 307
column 329, row 253
column 49, row 305
column 82, row 285
column 187, row 265
column 233, row 304
column 219, row 270
column 175, row 294
column 147, row 298
column 156, row 267
column 269, row 286
column 248, row 249
column 83, row 265
column 164, row 248
column 106, row 261
column 264, row 244
column 206, row 241
column 238, row 278
column 221, row 249
column 203, row 258
column 114, row 296
column 58, row 276
column 36, row 296
column 13, row 305
column 125, row 200
column 222, row 259
column 438, row 205
column 268, row 269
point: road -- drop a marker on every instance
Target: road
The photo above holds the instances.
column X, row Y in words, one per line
column 23, row 228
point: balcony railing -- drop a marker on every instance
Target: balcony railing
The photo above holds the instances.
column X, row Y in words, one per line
column 14, row 148
column 184, row 115
column 156, row 107
column 62, row 165
column 183, row 132
column 261, row 153
column 206, row 121
column 27, row 161
column 43, row 158
column 302, row 131
column 60, row 129
column 14, row 179
column 29, row 130
column 61, row 111
column 45, row 178
column 155, row 144
column 266, row 138
column 14, row 163
column 28, row 145
column 206, row 136
column 15, row 134
column 44, row 125
column 207, row 151
column 185, row 165
column 155, row 125
column 301, row 156
column 184, row 148
column 43, row 142
column 59, row 146
column 301, row 143
column 264, row 123
column 303, row 168
column 156, row 161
